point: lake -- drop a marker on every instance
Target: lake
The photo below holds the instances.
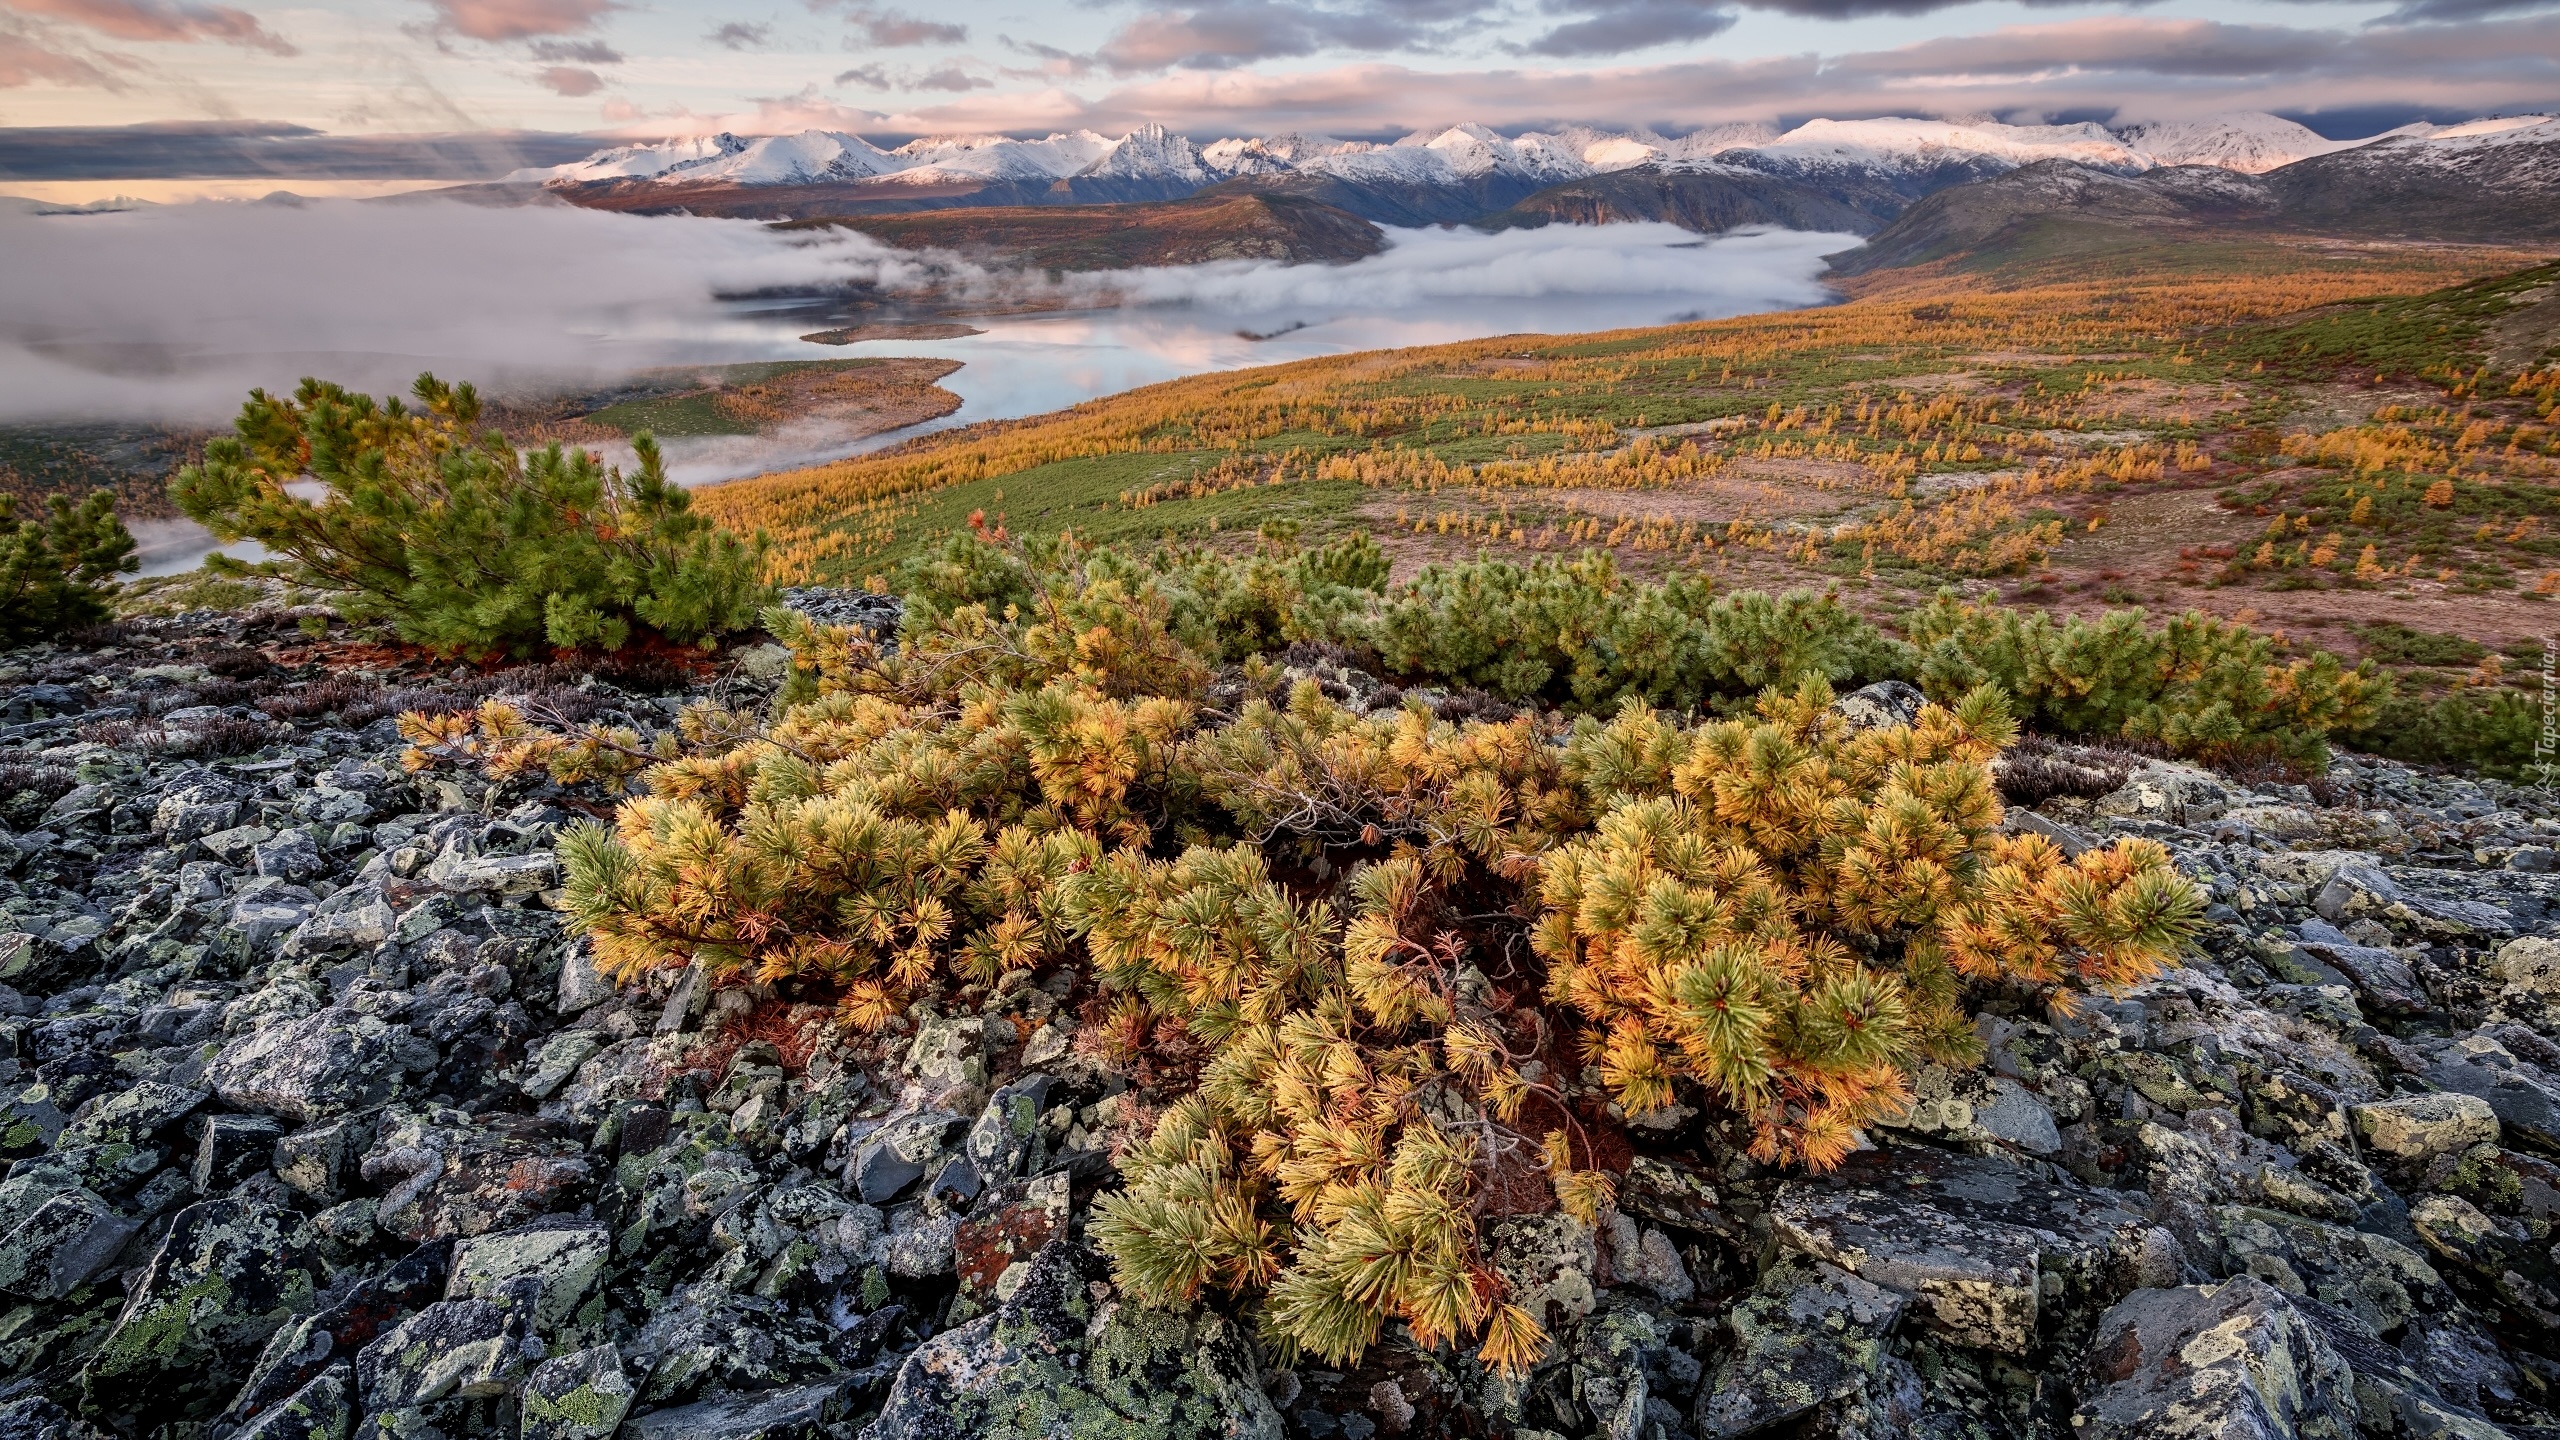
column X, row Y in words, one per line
column 171, row 315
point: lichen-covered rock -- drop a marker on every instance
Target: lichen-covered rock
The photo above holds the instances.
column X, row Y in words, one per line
column 1974, row 1241
column 1050, row 1365
column 323, row 1409
column 563, row 1256
column 2234, row 1361
column 1548, row 1265
column 229, row 1272
column 2421, row 1127
column 1808, row 1335
column 321, row 1065
column 581, row 1396
column 2525, row 1096
column 804, row 1412
column 2509, row 1256
column 460, row 1349
column 55, row 1234
column 2378, row 1279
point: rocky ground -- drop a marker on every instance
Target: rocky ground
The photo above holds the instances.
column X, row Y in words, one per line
column 318, row 1123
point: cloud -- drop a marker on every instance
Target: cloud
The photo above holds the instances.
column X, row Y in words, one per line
column 1054, row 62
column 892, row 29
column 1238, row 32
column 570, row 80
column 582, row 52
column 224, row 150
column 876, row 76
column 2457, row 11
column 1612, row 27
column 174, row 21
column 2170, row 67
column 519, row 19
column 28, row 56
column 738, row 35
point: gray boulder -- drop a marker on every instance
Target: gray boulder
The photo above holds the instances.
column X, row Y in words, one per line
column 324, row 1064
column 1974, row 1241
column 54, row 1234
column 580, row 1396
column 2234, row 1361
column 1086, row 1367
column 1810, row 1334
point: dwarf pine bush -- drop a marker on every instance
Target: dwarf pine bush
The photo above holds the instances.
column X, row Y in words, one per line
column 1373, row 934
column 458, row 541
column 58, row 567
column 2197, row 685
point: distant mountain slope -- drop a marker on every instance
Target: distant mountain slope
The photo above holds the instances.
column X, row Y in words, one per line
column 2489, row 182
column 1115, row 237
column 1707, row 201
column 2492, row 179
column 1973, row 217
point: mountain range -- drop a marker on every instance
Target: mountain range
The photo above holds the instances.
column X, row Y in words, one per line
column 2489, row 179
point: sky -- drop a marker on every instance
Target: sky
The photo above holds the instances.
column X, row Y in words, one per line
column 315, row 89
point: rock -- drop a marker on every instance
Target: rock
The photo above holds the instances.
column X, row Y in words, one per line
column 322, row 1409
column 461, row 874
column 2168, row 790
column 1006, row 1140
column 2234, row 1361
column 923, row 1250
column 292, row 856
column 2376, row 1278
column 1972, row 1241
column 1983, row 1109
column 2510, row 1256
column 949, row 1052
column 460, row 1349
column 558, row 1060
column 321, row 1065
column 55, row 1235
column 1808, row 1335
column 2381, row 978
column 226, row 1276
column 194, row 811
column 1547, row 1263
column 2421, row 1127
column 802, row 1413
column 1641, row 1255
column 1081, row 1367
column 317, row 1160
column 2525, row 1098
column 1882, row 705
column 564, row 1256
column 900, row 1152
column 581, row 984
column 991, row 1249
column 580, row 1396
column 232, row 1148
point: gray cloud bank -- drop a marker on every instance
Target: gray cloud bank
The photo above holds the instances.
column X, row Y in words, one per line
column 247, row 150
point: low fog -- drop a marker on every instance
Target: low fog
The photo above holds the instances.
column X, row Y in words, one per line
column 173, row 314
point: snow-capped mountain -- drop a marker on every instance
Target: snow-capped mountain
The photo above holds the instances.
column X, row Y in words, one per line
column 2251, row 142
column 1918, row 145
column 1854, row 174
column 1455, row 154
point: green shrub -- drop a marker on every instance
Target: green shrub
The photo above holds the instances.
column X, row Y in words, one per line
column 458, row 541
column 58, row 569
column 2197, row 685
column 2490, row 731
